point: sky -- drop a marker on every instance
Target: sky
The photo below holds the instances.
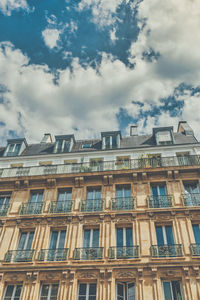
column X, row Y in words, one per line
column 85, row 66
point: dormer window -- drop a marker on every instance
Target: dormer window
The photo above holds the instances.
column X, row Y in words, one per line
column 111, row 139
column 86, row 146
column 64, row 143
column 15, row 147
column 163, row 136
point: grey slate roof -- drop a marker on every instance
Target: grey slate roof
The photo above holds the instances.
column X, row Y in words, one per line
column 96, row 144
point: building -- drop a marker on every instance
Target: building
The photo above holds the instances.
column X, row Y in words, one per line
column 115, row 218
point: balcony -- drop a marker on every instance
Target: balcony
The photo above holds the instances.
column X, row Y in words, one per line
column 57, row 207
column 166, row 250
column 159, row 162
column 4, row 209
column 191, row 199
column 123, row 252
column 91, row 253
column 19, row 256
column 53, row 254
column 34, row 208
column 195, row 249
column 91, row 205
column 122, row 203
column 160, row 201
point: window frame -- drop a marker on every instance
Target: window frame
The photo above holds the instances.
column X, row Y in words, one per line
column 13, row 292
column 125, row 285
column 87, row 295
column 49, row 291
column 171, row 289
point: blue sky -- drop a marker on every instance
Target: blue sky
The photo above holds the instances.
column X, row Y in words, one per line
column 86, row 66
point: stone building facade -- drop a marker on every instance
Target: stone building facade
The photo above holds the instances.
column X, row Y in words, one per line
column 116, row 218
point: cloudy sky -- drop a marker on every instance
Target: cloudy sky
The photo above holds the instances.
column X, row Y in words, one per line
column 86, row 66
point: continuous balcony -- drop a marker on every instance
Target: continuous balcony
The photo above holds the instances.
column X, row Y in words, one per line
column 123, row 203
column 195, row 249
column 53, row 254
column 19, row 255
column 90, row 205
column 191, row 199
column 4, row 209
column 127, row 252
column 160, row 162
column 60, row 207
column 166, row 250
column 90, row 253
column 33, row 208
column 160, row 201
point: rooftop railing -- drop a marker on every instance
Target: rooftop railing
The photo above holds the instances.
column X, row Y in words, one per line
column 4, row 209
column 53, row 254
column 19, row 255
column 90, row 253
column 190, row 160
column 160, row 201
column 60, row 206
column 166, row 250
column 122, row 203
column 191, row 199
column 34, row 208
column 125, row 252
column 89, row 205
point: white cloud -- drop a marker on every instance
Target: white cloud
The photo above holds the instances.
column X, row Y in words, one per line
column 7, row 6
column 103, row 11
column 51, row 37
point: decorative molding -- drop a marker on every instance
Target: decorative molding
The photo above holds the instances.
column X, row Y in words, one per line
column 51, row 183
column 169, row 174
column 86, row 275
column 144, row 176
column 126, row 274
column 135, row 177
column 17, row 184
column 176, row 174
column 31, row 276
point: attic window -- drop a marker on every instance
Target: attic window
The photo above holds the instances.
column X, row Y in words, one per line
column 85, row 146
column 13, row 149
column 163, row 138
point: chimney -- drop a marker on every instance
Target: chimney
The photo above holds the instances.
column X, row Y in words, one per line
column 133, row 130
column 46, row 138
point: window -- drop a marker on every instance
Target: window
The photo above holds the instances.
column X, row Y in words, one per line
column 4, row 203
column 124, row 200
column 13, row 149
column 91, row 248
column 35, row 202
column 125, row 291
column 93, row 201
column 56, row 245
column 164, row 137
column 196, row 231
column 87, row 291
column 85, row 146
column 124, row 243
column 49, row 292
column 172, row 290
column 12, row 292
column 64, row 195
column 192, row 195
column 165, row 242
column 24, row 252
column 159, row 196
column 111, row 139
column 63, row 143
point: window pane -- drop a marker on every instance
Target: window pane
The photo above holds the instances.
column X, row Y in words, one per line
column 95, row 242
column 119, row 237
column 18, row 291
column 61, row 243
column 92, row 289
column 167, row 290
column 131, row 291
column 54, row 291
column 162, row 190
column 196, row 231
column 82, row 289
column 154, row 190
column 53, row 242
column 45, row 290
column 159, row 235
column 176, row 290
column 9, row 290
column 30, row 240
column 120, row 291
column 129, row 237
column 169, row 235
column 86, row 242
column 22, row 241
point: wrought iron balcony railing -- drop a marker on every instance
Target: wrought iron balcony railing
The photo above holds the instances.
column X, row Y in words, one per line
column 90, row 253
column 155, row 162
column 91, row 205
column 4, row 209
column 160, row 201
column 191, row 199
column 60, row 206
column 19, row 255
column 34, row 208
column 166, row 250
column 195, row 249
column 53, row 254
column 123, row 203
column 123, row 252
